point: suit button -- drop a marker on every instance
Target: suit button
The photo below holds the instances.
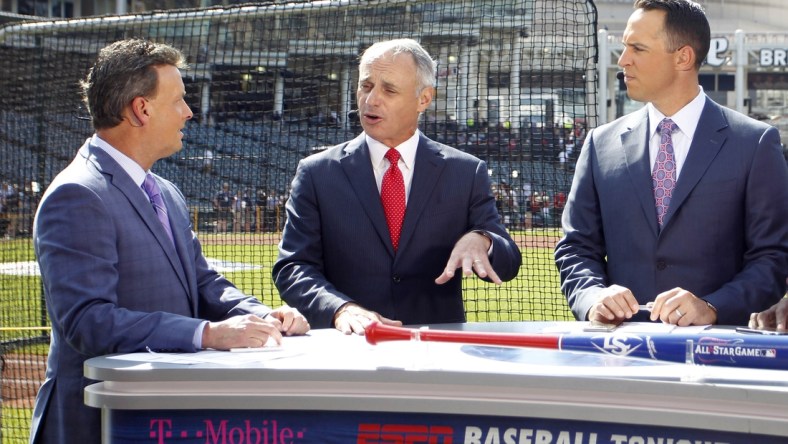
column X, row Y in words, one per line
column 396, row 279
column 661, row 265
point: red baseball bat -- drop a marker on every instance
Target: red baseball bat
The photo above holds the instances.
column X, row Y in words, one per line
column 377, row 332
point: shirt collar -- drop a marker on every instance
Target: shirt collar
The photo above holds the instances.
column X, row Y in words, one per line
column 132, row 168
column 686, row 118
column 407, row 150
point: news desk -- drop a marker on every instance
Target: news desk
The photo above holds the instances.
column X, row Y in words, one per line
column 332, row 388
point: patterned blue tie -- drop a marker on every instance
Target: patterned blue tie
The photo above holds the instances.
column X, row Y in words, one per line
column 154, row 193
column 664, row 176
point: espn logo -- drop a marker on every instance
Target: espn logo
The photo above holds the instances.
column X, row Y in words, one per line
column 403, row 434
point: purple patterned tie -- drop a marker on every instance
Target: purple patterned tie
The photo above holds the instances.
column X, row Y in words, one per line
column 154, row 193
column 664, row 176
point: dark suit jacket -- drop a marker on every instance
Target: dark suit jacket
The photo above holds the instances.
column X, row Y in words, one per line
column 724, row 238
column 336, row 246
column 114, row 283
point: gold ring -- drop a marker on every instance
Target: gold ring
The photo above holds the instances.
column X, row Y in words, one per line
column 681, row 315
column 477, row 261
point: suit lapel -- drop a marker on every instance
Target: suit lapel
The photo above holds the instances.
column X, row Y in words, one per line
column 635, row 146
column 122, row 181
column 426, row 170
column 358, row 169
column 179, row 256
column 706, row 143
column 184, row 265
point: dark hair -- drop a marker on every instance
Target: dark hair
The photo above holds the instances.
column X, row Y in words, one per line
column 123, row 71
column 685, row 24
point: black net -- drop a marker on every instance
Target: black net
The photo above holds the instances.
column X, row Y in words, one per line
column 271, row 83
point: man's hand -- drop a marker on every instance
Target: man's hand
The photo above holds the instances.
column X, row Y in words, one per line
column 241, row 331
column 351, row 318
column 682, row 308
column 614, row 305
column 773, row 318
column 470, row 254
column 291, row 321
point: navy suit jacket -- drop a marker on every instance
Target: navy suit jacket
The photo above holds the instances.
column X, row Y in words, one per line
column 336, row 247
column 114, row 283
column 724, row 237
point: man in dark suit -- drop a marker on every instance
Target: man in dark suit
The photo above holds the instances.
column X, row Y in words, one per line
column 339, row 261
column 122, row 271
column 691, row 219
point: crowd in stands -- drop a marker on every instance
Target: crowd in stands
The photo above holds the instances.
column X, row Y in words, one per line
column 523, row 209
column 549, row 143
column 247, row 210
column 257, row 160
column 17, row 207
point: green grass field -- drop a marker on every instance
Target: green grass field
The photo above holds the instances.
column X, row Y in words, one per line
column 533, row 295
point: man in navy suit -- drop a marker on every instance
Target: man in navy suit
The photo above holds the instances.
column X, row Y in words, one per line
column 339, row 263
column 116, row 278
column 721, row 250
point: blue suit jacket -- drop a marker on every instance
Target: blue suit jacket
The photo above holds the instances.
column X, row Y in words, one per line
column 724, row 237
column 336, row 246
column 114, row 283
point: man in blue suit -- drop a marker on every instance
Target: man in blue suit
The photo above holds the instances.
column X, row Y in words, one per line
column 117, row 278
column 347, row 258
column 716, row 248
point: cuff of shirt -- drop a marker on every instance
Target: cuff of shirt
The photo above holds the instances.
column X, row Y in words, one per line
column 197, row 338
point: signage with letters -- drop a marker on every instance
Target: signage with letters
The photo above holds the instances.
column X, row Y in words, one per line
column 773, row 57
column 305, row 427
column 717, row 50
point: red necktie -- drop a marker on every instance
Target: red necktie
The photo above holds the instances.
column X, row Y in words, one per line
column 664, row 175
column 392, row 194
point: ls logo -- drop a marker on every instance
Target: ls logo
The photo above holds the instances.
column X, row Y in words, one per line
column 618, row 345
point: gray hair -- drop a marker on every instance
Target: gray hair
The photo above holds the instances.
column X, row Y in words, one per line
column 426, row 68
column 123, row 71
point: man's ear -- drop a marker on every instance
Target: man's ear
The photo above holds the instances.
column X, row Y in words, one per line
column 425, row 98
column 138, row 111
column 685, row 58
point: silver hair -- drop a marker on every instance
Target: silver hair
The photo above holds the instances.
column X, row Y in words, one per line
column 426, row 67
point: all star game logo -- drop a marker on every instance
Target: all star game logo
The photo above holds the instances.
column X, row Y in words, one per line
column 715, row 350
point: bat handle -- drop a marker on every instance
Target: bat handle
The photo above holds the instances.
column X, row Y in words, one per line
column 378, row 332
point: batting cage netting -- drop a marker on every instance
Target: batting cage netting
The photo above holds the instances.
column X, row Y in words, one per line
column 272, row 83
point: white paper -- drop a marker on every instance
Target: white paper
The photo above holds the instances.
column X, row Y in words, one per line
column 291, row 346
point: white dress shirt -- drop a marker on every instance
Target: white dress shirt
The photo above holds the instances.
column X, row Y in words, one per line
column 687, row 120
column 407, row 160
column 132, row 168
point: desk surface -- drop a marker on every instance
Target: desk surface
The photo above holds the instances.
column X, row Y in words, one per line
column 329, row 371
